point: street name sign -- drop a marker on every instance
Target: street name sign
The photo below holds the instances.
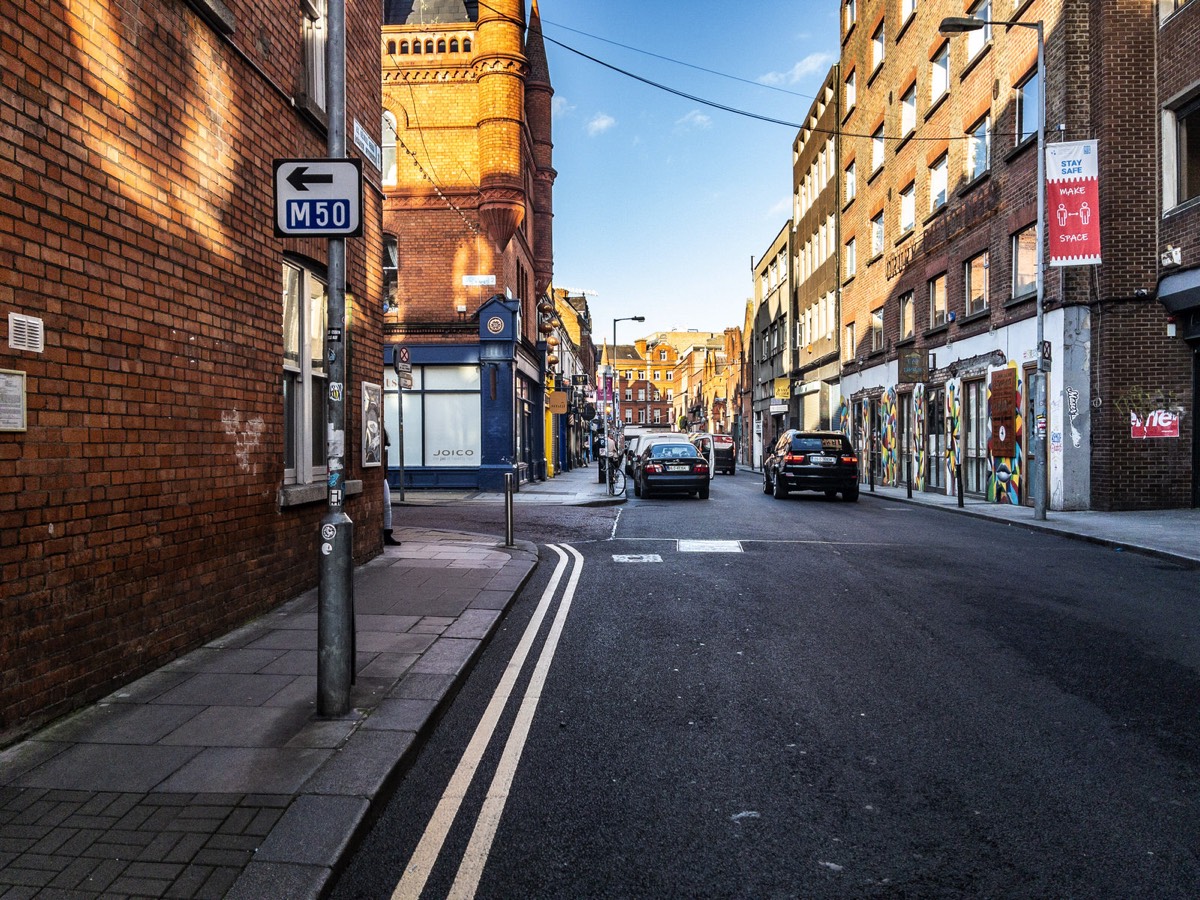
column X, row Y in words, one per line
column 318, row 198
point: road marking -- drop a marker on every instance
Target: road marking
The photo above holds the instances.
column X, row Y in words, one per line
column 416, row 873
column 636, row 557
column 466, row 882
column 710, row 547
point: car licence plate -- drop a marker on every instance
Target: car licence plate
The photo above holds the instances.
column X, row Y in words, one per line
column 679, row 468
column 822, row 460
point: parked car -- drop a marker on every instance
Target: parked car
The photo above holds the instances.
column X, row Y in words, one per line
column 721, row 451
column 631, row 449
column 812, row 461
column 703, row 441
column 670, row 465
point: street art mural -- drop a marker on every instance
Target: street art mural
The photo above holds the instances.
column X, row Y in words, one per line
column 920, row 460
column 890, row 446
column 1004, row 482
column 954, row 427
column 843, row 419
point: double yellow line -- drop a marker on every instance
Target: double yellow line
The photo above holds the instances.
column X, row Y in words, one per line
column 470, row 869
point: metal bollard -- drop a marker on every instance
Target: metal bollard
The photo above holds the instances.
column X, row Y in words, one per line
column 508, row 509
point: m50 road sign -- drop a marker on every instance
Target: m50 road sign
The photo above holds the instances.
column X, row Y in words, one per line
column 318, row 198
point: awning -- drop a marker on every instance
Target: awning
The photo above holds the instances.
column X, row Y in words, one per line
column 1180, row 292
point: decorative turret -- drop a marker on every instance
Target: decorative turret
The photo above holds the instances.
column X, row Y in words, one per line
column 500, row 67
column 538, row 97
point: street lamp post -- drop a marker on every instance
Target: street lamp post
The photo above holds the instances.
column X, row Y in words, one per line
column 959, row 25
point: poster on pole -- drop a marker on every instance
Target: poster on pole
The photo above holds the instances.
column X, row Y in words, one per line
column 1073, row 203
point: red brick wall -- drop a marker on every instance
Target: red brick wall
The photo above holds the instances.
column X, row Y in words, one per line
column 139, row 513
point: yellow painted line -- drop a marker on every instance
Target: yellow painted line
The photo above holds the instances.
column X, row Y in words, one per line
column 471, row 870
column 416, row 873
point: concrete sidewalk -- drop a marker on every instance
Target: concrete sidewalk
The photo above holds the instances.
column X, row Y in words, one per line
column 215, row 777
column 1171, row 534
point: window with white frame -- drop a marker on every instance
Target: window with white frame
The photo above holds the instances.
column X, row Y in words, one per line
column 851, row 181
column 1024, row 258
column 877, row 234
column 662, row 355
column 906, row 315
column 977, row 40
column 849, row 347
column 877, row 149
column 878, row 46
column 851, row 257
column 979, row 148
column 851, row 13
column 908, row 207
column 316, row 29
column 939, row 74
column 1181, row 153
column 937, row 182
column 304, row 374
column 907, row 8
column 876, row 329
column 908, row 111
column 851, row 90
column 1029, row 92
column 937, row 301
column 976, row 271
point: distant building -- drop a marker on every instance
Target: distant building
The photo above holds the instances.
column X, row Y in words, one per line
column 816, row 190
column 468, row 182
column 773, row 339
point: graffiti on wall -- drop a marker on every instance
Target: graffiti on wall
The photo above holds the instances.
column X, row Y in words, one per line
column 919, row 420
column 1004, row 483
column 1151, row 415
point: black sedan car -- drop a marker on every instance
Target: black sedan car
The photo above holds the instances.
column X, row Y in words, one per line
column 812, row 461
column 670, row 466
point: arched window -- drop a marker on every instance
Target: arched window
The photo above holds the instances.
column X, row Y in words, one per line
column 388, row 144
column 454, row 45
column 391, row 48
column 404, row 48
column 441, row 46
column 429, row 46
column 416, row 46
column 466, row 45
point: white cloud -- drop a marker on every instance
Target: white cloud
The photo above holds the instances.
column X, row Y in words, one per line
column 695, row 119
column 813, row 64
column 560, row 107
column 600, row 123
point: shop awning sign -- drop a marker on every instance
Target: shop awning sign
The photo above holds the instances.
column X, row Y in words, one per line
column 1073, row 203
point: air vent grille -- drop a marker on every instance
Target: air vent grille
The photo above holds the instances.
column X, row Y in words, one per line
column 26, row 333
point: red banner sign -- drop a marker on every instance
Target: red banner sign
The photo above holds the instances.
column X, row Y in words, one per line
column 1162, row 423
column 1073, row 203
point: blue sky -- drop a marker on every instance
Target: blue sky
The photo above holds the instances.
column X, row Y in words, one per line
column 662, row 203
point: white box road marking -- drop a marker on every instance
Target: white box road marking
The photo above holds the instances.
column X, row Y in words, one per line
column 710, row 547
column 636, row 557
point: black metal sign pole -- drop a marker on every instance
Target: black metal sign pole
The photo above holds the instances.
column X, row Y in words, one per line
column 335, row 615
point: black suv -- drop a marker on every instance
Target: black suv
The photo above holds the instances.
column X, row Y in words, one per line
column 811, row 461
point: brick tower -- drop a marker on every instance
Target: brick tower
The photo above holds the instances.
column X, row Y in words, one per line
column 468, row 188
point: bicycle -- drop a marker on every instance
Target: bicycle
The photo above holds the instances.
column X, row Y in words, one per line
column 616, row 476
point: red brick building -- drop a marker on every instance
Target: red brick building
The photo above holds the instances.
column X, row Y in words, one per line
column 469, row 187
column 939, row 179
column 1178, row 257
column 163, row 385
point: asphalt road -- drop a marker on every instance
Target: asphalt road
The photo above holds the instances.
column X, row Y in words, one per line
column 868, row 700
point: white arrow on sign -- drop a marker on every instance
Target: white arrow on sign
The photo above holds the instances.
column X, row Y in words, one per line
column 318, row 198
